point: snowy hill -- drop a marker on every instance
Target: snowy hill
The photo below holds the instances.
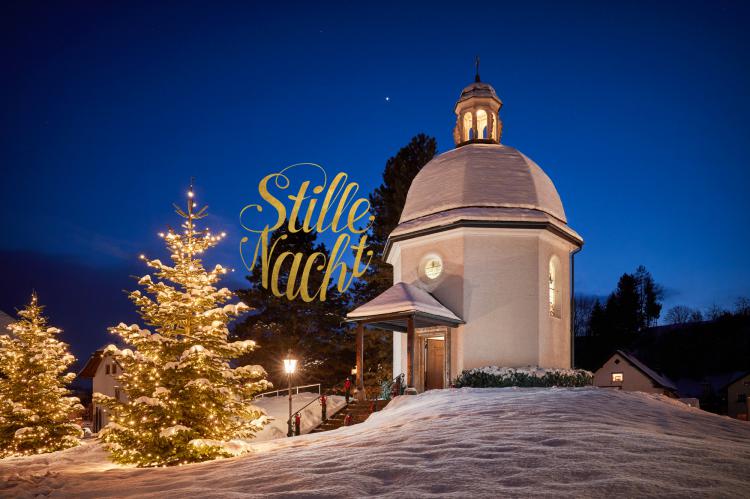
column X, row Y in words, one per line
column 471, row 442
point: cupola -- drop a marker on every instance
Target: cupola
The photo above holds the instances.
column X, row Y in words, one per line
column 477, row 114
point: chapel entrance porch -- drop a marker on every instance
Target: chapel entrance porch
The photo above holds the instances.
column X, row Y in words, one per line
column 427, row 324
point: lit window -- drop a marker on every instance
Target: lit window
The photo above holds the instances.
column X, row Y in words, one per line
column 482, row 124
column 616, row 377
column 467, row 126
column 554, row 291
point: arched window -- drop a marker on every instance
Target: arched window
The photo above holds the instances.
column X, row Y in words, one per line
column 482, row 124
column 555, row 302
column 467, row 127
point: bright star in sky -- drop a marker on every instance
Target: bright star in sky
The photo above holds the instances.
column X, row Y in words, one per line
column 387, row 99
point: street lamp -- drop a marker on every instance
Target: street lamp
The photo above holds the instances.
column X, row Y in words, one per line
column 290, row 364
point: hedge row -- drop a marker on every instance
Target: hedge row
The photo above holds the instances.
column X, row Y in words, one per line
column 478, row 378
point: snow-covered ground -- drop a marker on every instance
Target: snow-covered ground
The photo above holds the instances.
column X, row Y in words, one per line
column 502, row 442
column 278, row 409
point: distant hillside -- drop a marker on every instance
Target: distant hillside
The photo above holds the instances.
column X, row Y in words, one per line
column 692, row 350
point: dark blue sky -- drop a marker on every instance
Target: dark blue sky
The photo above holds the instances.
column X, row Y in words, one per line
column 638, row 112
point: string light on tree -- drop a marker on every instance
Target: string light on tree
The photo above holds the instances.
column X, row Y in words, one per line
column 184, row 399
column 35, row 406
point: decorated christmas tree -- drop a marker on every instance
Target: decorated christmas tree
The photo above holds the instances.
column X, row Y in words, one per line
column 35, row 406
column 185, row 400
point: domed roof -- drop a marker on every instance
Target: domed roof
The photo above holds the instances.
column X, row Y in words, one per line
column 478, row 89
column 481, row 175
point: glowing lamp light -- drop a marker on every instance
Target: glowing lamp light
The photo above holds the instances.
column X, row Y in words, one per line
column 290, row 365
column 190, row 194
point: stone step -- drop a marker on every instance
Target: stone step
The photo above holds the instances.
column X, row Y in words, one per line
column 359, row 412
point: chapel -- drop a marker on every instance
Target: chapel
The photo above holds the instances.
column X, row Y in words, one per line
column 482, row 260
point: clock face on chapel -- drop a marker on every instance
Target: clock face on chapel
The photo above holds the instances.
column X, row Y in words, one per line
column 433, row 268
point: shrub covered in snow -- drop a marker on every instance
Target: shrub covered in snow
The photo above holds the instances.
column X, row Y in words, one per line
column 493, row 376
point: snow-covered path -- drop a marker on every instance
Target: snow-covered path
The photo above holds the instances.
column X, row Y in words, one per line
column 471, row 442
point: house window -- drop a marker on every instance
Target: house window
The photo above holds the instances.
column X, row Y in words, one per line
column 616, row 377
column 114, row 368
column 117, row 394
column 741, row 398
column 106, row 369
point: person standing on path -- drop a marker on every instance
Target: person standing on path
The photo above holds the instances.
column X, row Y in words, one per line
column 348, row 389
column 324, row 416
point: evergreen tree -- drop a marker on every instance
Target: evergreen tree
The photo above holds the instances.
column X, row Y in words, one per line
column 634, row 305
column 387, row 202
column 315, row 331
column 649, row 297
column 35, row 406
column 185, row 400
column 623, row 310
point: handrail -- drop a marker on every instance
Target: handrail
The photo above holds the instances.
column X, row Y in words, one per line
column 278, row 392
column 302, row 409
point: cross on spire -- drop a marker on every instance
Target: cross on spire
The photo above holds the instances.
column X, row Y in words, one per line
column 476, row 63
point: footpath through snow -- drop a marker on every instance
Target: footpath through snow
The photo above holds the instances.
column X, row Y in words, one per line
column 502, row 442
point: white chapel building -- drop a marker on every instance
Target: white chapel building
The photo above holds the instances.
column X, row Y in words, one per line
column 482, row 260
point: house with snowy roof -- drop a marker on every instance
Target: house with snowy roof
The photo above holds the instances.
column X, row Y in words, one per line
column 102, row 369
column 482, row 261
column 5, row 321
column 738, row 402
column 623, row 371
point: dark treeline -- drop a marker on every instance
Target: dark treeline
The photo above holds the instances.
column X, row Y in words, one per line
column 693, row 344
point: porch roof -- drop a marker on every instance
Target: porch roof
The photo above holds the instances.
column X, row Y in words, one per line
column 390, row 309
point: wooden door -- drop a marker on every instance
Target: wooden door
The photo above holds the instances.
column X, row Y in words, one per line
column 434, row 373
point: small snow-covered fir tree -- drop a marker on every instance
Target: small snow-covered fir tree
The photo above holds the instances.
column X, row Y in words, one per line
column 185, row 401
column 35, row 406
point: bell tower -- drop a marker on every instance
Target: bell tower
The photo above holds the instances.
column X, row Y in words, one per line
column 477, row 114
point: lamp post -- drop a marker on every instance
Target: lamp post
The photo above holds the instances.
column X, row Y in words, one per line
column 290, row 364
